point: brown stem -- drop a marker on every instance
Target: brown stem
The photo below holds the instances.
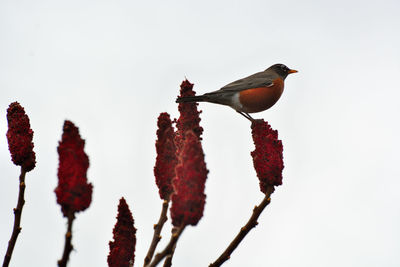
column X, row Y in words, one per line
column 168, row 258
column 157, row 230
column 67, row 245
column 245, row 229
column 17, row 219
column 168, row 249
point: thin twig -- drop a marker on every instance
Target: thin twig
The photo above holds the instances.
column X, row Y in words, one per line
column 68, row 245
column 157, row 230
column 17, row 219
column 168, row 258
column 168, row 249
column 245, row 229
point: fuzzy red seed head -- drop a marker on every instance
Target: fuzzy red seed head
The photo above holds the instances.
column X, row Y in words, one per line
column 267, row 156
column 73, row 192
column 164, row 170
column 122, row 249
column 19, row 136
column 191, row 173
column 189, row 119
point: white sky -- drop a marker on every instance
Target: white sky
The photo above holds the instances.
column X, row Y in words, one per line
column 112, row 66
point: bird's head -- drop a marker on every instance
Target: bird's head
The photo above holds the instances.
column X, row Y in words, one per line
column 281, row 70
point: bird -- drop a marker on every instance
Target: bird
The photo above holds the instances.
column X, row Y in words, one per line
column 252, row 94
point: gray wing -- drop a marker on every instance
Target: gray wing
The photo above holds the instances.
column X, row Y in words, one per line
column 260, row 79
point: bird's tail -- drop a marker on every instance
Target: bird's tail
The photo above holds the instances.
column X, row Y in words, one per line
column 196, row 98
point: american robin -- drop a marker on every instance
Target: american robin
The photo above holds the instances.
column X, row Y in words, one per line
column 255, row 93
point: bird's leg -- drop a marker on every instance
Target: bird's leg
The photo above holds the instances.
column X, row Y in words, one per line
column 250, row 117
column 246, row 115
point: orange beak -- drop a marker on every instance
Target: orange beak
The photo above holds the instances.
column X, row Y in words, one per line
column 292, row 71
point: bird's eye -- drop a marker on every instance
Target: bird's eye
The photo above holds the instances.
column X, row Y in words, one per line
column 283, row 67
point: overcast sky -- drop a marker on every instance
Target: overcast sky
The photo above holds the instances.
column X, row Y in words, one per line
column 112, row 66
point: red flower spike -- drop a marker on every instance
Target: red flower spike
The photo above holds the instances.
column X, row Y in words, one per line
column 267, row 156
column 189, row 119
column 73, row 192
column 191, row 173
column 166, row 160
column 122, row 249
column 19, row 136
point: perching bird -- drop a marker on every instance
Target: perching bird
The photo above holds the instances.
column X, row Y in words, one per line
column 255, row 93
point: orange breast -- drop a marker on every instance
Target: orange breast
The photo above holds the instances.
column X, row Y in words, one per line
column 261, row 98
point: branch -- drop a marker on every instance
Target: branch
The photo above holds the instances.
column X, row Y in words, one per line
column 245, row 229
column 17, row 219
column 157, row 230
column 168, row 249
column 168, row 258
column 68, row 245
